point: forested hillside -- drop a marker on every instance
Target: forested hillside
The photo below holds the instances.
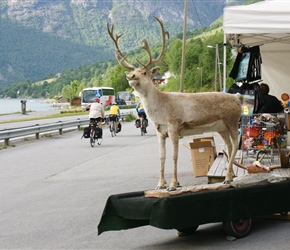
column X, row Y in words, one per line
column 110, row 73
column 30, row 54
column 41, row 38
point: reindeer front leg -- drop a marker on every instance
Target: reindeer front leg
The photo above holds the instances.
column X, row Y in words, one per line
column 174, row 141
column 162, row 155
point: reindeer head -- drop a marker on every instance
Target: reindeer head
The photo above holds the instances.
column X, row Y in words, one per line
column 140, row 78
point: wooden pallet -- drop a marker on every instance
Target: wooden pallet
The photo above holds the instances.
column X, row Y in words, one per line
column 218, row 170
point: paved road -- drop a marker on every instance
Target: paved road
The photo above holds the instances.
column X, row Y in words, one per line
column 53, row 192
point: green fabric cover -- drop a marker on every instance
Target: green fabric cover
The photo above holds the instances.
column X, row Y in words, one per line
column 129, row 210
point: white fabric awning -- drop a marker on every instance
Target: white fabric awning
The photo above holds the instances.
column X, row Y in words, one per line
column 270, row 16
column 266, row 24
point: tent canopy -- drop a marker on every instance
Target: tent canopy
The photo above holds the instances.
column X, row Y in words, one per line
column 266, row 24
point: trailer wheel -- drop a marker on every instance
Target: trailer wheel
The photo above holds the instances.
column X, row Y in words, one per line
column 186, row 231
column 237, row 228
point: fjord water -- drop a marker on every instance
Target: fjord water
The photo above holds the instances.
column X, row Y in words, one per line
column 12, row 105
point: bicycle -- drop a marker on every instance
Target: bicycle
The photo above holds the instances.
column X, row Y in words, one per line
column 94, row 127
column 142, row 123
column 106, row 120
column 112, row 126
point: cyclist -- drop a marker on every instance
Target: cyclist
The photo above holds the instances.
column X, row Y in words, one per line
column 97, row 112
column 115, row 114
column 141, row 112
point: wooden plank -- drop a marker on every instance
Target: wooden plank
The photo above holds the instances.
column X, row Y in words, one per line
column 223, row 167
column 235, row 170
column 241, row 172
column 212, row 174
column 284, row 172
column 218, row 170
column 215, row 165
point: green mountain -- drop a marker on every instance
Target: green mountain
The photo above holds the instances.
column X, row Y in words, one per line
column 41, row 38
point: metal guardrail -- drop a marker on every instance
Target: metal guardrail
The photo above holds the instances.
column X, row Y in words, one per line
column 8, row 134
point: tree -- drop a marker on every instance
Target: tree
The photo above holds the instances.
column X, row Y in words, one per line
column 72, row 90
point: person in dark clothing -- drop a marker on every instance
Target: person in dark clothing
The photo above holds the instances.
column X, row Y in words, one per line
column 271, row 104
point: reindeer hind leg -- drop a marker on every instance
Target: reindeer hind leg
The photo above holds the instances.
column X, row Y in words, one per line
column 234, row 134
column 230, row 138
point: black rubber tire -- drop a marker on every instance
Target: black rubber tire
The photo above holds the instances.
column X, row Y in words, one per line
column 142, row 131
column 92, row 141
column 237, row 228
column 99, row 141
column 189, row 230
column 112, row 129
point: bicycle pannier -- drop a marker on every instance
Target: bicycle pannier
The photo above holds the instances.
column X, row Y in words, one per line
column 86, row 132
column 137, row 123
column 98, row 133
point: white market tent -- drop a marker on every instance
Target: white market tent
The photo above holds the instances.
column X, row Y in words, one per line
column 266, row 24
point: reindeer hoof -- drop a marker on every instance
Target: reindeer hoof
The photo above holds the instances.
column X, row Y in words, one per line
column 171, row 189
column 227, row 182
column 160, row 187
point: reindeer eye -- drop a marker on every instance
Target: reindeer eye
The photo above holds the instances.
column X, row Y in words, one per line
column 144, row 73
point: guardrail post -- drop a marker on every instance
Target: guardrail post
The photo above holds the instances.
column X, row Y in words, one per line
column 79, row 126
column 37, row 134
column 60, row 130
column 6, row 142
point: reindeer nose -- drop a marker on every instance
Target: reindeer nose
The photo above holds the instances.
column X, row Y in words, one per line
column 130, row 76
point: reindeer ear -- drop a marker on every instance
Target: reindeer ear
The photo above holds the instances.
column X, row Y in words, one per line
column 154, row 71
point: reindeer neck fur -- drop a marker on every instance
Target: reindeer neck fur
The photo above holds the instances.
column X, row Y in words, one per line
column 141, row 81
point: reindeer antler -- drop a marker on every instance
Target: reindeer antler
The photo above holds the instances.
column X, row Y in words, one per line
column 123, row 60
column 257, row 162
column 147, row 48
column 284, row 159
column 120, row 57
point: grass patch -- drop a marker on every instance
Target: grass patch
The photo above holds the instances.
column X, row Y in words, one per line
column 130, row 118
column 61, row 114
column 67, row 113
column 48, row 135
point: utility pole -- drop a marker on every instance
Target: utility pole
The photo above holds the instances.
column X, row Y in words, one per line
column 217, row 70
column 219, row 67
column 183, row 48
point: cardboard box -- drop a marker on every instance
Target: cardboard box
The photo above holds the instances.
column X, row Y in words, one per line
column 207, row 139
column 203, row 154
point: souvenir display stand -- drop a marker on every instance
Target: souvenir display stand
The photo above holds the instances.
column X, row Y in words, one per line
column 262, row 134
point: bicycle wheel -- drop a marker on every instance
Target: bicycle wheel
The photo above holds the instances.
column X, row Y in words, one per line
column 92, row 139
column 112, row 128
column 99, row 141
column 99, row 135
column 142, row 131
